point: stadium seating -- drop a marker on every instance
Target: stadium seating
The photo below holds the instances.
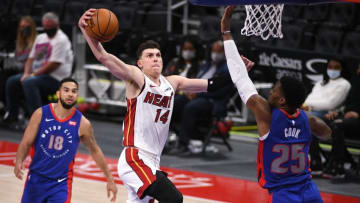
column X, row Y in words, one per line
column 209, row 28
column 328, row 40
column 351, row 45
column 21, row 8
column 316, row 13
column 5, row 8
column 343, row 15
column 292, row 13
column 155, row 20
column 292, row 38
column 100, row 4
column 126, row 17
column 49, row 6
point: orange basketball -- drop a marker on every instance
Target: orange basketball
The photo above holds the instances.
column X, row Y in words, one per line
column 103, row 25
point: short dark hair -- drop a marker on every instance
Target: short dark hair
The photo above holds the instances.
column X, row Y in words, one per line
column 149, row 44
column 293, row 90
column 68, row 80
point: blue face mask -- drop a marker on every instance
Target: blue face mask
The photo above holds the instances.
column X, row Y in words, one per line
column 333, row 73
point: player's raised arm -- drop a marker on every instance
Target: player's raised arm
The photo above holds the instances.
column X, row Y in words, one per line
column 116, row 66
column 238, row 71
column 26, row 142
column 318, row 127
column 87, row 137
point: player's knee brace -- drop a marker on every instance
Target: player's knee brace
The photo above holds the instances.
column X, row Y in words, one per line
column 164, row 190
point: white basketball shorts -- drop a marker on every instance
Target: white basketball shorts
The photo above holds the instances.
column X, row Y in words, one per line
column 137, row 170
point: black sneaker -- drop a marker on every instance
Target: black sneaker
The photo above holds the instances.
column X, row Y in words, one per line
column 8, row 119
column 335, row 169
column 181, row 149
column 316, row 168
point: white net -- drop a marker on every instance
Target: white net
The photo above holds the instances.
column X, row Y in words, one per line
column 263, row 20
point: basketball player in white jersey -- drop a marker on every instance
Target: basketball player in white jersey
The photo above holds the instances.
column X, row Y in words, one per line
column 150, row 98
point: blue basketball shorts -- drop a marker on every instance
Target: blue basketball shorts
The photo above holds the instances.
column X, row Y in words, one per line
column 41, row 189
column 306, row 192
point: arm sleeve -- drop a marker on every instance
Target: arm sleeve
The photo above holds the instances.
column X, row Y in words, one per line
column 238, row 71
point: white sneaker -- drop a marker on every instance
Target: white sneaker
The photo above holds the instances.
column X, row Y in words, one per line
column 212, row 149
column 195, row 146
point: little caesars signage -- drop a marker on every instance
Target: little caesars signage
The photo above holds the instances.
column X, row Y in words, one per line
column 285, row 66
column 305, row 66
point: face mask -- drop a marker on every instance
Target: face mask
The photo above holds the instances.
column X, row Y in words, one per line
column 26, row 31
column 333, row 74
column 188, row 54
column 217, row 57
column 51, row 32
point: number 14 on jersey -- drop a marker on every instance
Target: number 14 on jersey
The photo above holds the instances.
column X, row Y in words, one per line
column 163, row 117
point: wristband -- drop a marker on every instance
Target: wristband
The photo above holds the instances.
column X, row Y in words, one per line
column 225, row 32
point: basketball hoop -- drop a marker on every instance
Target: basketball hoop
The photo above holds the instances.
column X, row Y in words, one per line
column 263, row 20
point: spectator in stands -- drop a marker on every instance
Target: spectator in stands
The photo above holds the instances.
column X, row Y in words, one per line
column 330, row 93
column 344, row 125
column 50, row 61
column 186, row 65
column 325, row 96
column 205, row 105
column 25, row 37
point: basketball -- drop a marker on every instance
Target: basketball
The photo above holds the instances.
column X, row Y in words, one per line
column 103, row 25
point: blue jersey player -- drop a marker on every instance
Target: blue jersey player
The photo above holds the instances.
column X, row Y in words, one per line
column 284, row 129
column 52, row 137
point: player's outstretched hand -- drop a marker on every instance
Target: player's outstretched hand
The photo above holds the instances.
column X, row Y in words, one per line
column 87, row 15
column 19, row 170
column 226, row 19
column 248, row 63
column 111, row 188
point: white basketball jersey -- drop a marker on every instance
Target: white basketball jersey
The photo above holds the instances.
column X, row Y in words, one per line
column 147, row 120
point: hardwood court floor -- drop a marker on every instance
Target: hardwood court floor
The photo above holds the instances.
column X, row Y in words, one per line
column 227, row 177
column 84, row 190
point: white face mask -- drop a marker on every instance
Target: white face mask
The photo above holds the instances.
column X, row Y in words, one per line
column 217, row 57
column 333, row 73
column 188, row 54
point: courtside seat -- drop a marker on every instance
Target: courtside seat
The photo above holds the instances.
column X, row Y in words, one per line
column 217, row 132
column 351, row 44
